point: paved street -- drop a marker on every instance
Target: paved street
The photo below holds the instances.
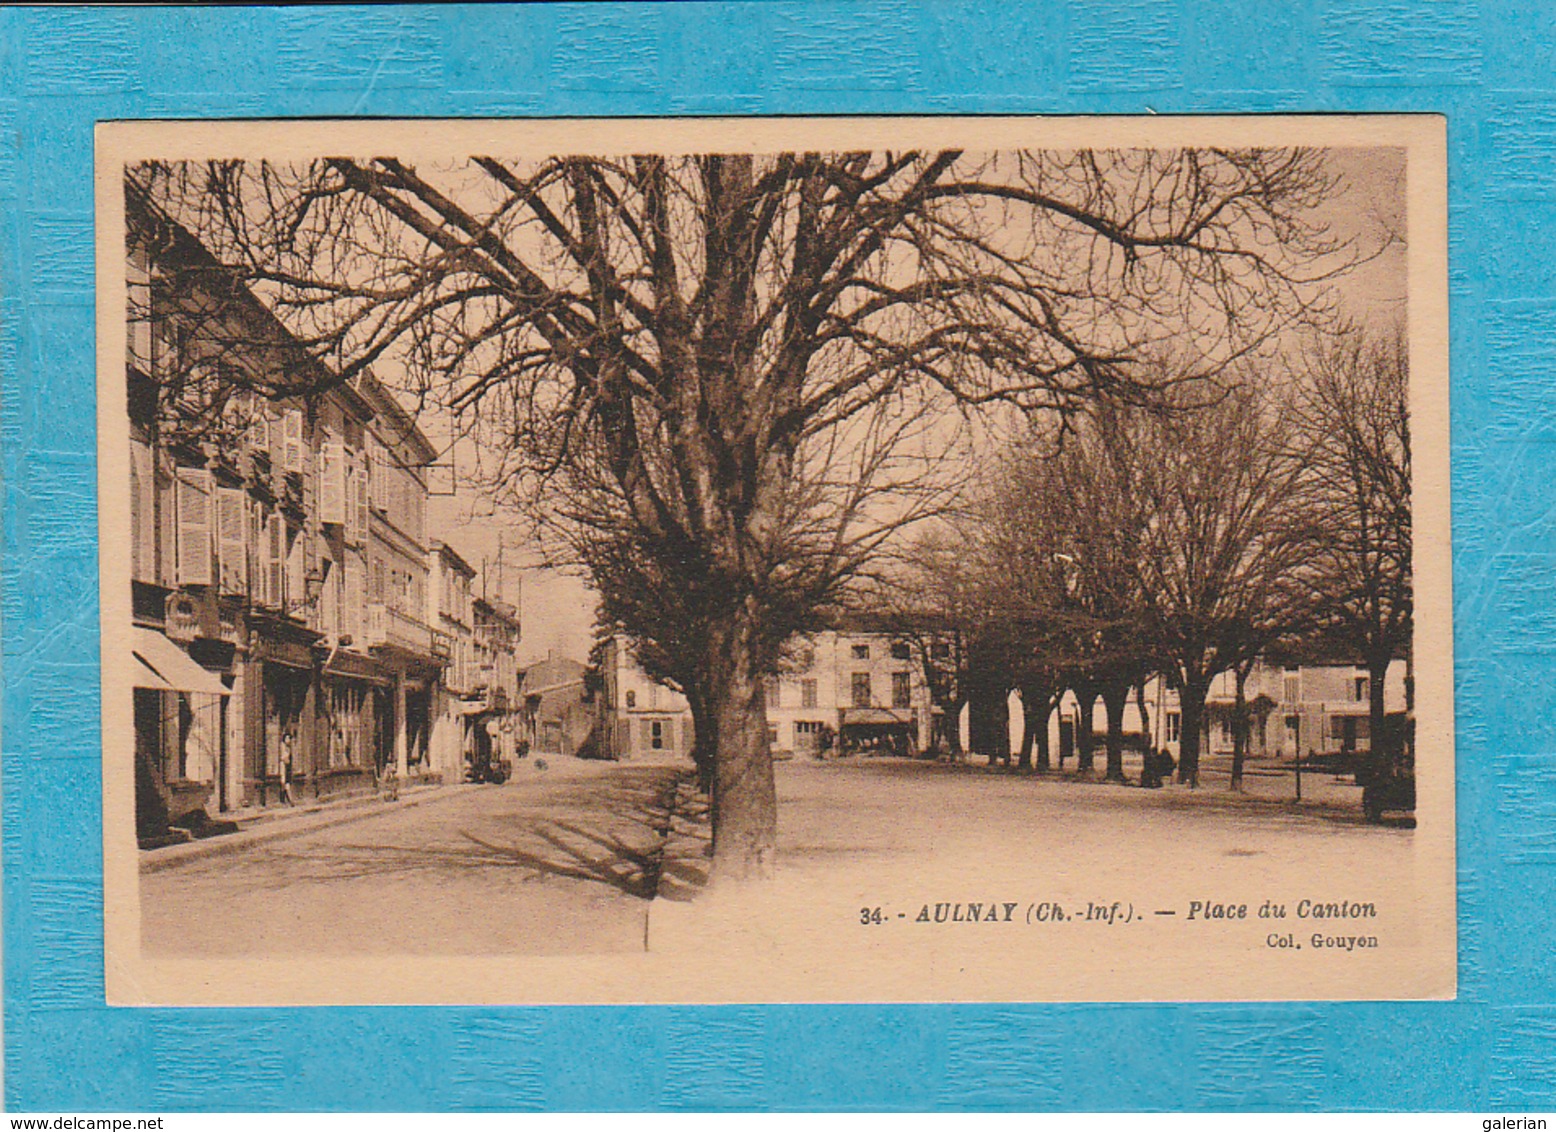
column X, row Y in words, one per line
column 554, row 862
column 559, row 861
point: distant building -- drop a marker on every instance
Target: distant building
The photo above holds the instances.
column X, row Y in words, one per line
column 450, row 611
column 559, row 717
column 1313, row 700
column 495, row 724
column 838, row 690
column 638, row 716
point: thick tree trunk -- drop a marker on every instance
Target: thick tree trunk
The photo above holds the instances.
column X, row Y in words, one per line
column 705, row 743
column 1191, row 702
column 1114, row 697
column 1239, row 730
column 1085, row 737
column 952, row 723
column 1035, row 700
column 1044, row 759
column 745, row 800
column 1380, row 754
column 989, row 725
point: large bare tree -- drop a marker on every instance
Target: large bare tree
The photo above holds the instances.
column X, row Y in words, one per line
column 1354, row 439
column 1228, row 544
column 714, row 352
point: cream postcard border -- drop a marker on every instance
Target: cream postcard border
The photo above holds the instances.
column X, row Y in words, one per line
column 766, row 970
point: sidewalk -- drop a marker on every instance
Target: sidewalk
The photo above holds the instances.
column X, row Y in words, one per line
column 257, row 826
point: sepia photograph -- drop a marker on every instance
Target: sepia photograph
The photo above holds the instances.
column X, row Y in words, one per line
column 776, row 560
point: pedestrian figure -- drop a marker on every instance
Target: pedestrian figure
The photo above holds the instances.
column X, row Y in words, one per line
column 287, row 742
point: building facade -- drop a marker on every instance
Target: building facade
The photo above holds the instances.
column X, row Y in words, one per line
column 838, row 691
column 558, row 713
column 495, row 703
column 638, row 717
column 450, row 612
column 277, row 558
column 1313, row 703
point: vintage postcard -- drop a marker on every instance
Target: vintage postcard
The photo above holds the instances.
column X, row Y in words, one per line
column 775, row 560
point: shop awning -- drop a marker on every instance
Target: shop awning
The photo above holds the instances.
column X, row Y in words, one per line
column 146, row 677
column 166, row 667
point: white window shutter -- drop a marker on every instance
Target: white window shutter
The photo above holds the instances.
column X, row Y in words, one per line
column 194, row 527
column 380, row 477
column 294, row 440
column 259, row 427
column 359, row 504
column 295, row 547
column 256, row 530
column 275, row 561
column 334, row 481
column 143, row 514
column 353, row 618
column 231, row 547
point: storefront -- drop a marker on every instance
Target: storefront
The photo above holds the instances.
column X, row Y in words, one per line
column 282, row 748
column 180, row 728
column 354, row 727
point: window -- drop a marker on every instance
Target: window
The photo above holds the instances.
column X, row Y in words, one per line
column 941, row 650
column 143, row 514
column 1363, row 689
column 901, row 690
column 1174, row 726
column 1293, row 686
column 901, row 651
column 632, row 699
column 656, row 735
column 772, row 687
column 861, row 652
column 807, row 727
column 772, row 735
column 807, row 693
column 861, row 689
column 194, row 527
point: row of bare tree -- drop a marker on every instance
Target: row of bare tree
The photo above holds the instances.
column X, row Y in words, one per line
column 1184, row 539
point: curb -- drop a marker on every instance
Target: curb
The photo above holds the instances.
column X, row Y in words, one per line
column 281, row 825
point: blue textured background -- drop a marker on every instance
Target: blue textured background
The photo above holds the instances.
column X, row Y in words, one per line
column 1491, row 67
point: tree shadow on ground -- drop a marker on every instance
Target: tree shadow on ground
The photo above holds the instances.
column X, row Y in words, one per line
column 687, row 863
column 615, row 840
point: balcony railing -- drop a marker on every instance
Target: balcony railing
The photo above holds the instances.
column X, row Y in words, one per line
column 387, row 627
